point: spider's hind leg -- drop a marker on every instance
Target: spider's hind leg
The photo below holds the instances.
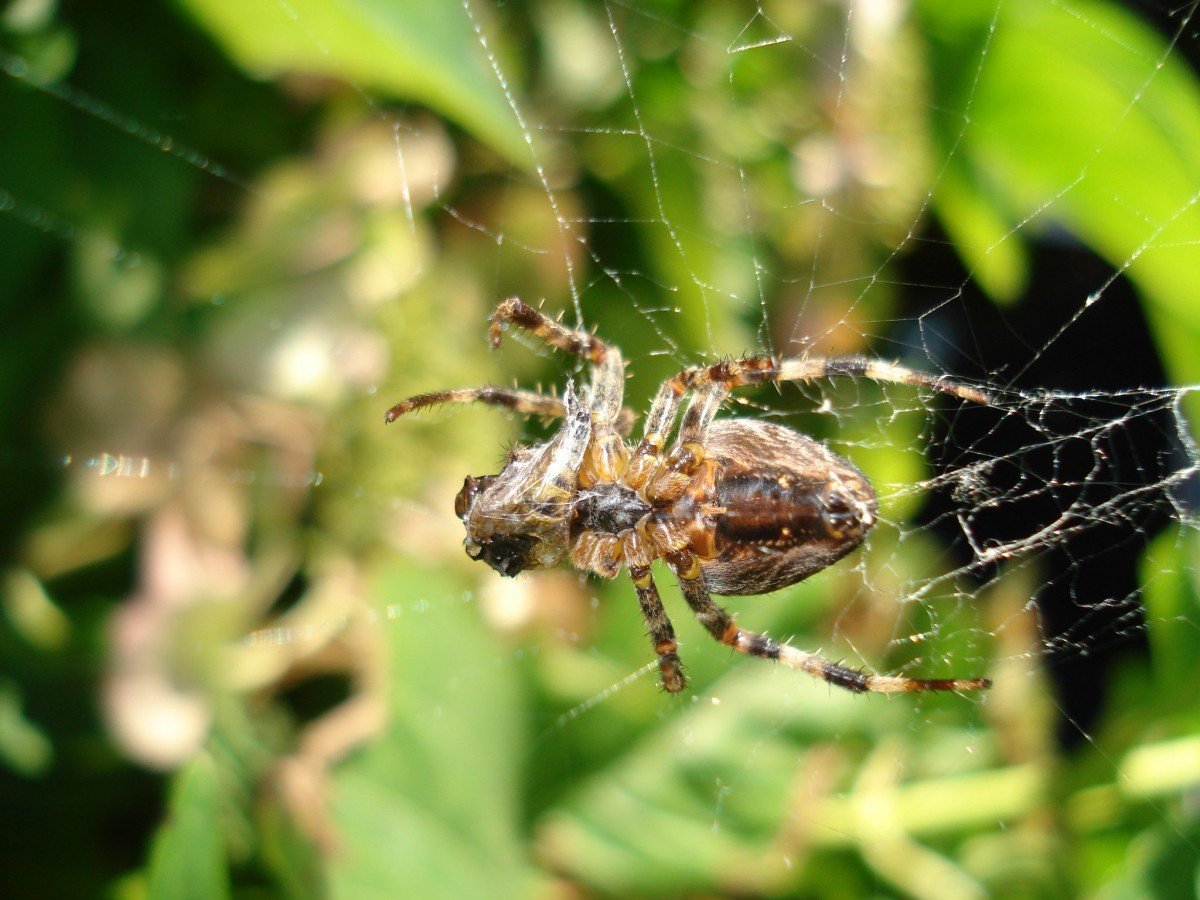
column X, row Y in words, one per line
column 721, row 625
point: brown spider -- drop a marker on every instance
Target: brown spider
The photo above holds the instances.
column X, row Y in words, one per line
column 737, row 506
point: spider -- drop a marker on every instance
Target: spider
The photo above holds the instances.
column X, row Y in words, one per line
column 735, row 507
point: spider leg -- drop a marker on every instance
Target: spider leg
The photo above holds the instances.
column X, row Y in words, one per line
column 608, row 368
column 516, row 311
column 721, row 625
column 527, row 403
column 646, row 456
column 661, row 631
column 713, row 383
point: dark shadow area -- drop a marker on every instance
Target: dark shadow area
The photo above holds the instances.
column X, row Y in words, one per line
column 1092, row 469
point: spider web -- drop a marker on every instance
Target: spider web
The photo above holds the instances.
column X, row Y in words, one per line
column 694, row 184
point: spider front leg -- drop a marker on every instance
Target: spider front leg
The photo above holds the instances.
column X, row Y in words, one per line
column 526, row 403
column 721, row 625
column 516, row 311
column 661, row 631
column 608, row 368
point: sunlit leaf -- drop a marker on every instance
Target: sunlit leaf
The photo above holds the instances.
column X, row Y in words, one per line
column 742, row 779
column 1171, row 608
column 425, row 52
column 982, row 234
column 1074, row 116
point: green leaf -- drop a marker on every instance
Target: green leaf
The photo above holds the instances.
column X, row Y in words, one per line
column 1160, row 862
column 713, row 798
column 431, row 809
column 427, row 52
column 188, row 857
column 290, row 854
column 982, row 234
column 1172, row 610
column 1081, row 118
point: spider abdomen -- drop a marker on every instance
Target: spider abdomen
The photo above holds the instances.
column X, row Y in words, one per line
column 769, row 510
column 783, row 507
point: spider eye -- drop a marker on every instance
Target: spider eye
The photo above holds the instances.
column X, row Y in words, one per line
column 471, row 489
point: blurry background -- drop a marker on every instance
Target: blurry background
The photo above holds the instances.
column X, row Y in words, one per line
column 241, row 648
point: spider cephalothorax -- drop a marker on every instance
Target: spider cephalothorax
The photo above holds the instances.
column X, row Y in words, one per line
column 737, row 506
column 520, row 518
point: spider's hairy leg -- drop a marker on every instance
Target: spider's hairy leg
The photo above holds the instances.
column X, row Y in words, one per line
column 721, row 625
column 517, row 312
column 527, row 403
column 672, row 474
column 806, row 369
column 648, row 453
column 608, row 368
column 597, row 553
column 714, row 383
column 661, row 631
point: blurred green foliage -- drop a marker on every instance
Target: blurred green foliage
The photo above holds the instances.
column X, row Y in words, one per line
column 1104, row 142
column 242, row 652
